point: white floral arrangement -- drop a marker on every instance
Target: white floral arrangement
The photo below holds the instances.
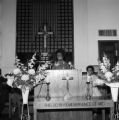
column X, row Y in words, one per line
column 108, row 74
column 23, row 77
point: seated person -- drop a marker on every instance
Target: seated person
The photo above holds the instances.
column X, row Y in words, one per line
column 94, row 80
column 59, row 62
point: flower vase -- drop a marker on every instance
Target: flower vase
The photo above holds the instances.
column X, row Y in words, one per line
column 114, row 90
column 25, row 108
column 114, row 93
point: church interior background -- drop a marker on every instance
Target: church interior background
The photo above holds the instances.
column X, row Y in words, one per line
column 85, row 29
column 56, row 16
column 89, row 18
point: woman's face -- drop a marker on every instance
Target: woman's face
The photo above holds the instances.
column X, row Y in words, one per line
column 59, row 56
column 90, row 71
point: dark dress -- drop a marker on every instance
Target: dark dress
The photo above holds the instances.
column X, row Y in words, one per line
column 4, row 93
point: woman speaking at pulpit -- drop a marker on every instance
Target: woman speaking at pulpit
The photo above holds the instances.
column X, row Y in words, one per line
column 60, row 62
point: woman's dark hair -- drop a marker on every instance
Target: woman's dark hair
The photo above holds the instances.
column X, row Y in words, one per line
column 60, row 51
column 90, row 66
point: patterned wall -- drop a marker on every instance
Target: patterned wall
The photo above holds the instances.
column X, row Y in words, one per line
column 32, row 15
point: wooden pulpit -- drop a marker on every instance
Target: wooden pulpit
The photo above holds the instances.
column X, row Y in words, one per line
column 58, row 84
column 66, row 90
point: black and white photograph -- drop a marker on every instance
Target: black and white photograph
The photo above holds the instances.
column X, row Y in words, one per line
column 59, row 59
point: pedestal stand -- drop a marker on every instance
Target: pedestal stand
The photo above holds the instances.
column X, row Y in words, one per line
column 25, row 112
column 48, row 97
column 88, row 95
column 25, row 108
column 114, row 92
